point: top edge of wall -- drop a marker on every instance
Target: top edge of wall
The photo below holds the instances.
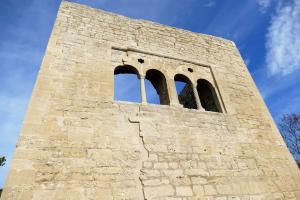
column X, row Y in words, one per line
column 207, row 36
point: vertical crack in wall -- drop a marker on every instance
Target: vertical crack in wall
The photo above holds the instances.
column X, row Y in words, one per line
column 142, row 185
column 144, row 157
column 135, row 34
column 143, row 142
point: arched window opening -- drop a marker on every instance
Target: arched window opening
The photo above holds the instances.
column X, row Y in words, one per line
column 208, row 96
column 156, row 87
column 185, row 92
column 126, row 84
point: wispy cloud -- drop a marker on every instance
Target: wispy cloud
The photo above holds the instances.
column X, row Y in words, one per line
column 237, row 27
column 283, row 41
column 209, row 3
column 264, row 4
column 247, row 61
column 26, row 29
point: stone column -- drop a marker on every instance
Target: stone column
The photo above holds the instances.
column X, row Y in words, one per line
column 143, row 89
column 173, row 93
column 199, row 106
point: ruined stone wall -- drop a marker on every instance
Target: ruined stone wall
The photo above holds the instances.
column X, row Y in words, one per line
column 78, row 143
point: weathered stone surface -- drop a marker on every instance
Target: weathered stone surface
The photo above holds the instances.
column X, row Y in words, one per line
column 78, row 143
column 184, row 191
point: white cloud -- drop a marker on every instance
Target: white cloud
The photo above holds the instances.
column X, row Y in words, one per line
column 283, row 40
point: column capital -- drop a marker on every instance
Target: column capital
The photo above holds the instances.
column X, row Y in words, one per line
column 142, row 76
column 194, row 85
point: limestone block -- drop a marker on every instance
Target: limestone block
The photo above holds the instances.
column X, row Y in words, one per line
column 210, row 190
column 158, row 191
column 198, row 190
column 184, row 191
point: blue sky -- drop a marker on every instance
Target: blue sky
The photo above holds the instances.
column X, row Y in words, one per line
column 267, row 33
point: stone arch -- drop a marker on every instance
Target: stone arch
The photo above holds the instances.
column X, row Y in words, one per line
column 184, row 88
column 127, row 84
column 159, row 83
column 126, row 69
column 207, row 95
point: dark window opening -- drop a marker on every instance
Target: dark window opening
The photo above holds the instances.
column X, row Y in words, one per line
column 185, row 92
column 207, row 95
column 156, row 87
column 190, row 70
column 140, row 60
column 126, row 84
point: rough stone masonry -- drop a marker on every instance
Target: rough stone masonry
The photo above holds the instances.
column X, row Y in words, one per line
column 77, row 142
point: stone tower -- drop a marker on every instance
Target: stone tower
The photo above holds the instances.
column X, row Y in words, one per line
column 213, row 140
